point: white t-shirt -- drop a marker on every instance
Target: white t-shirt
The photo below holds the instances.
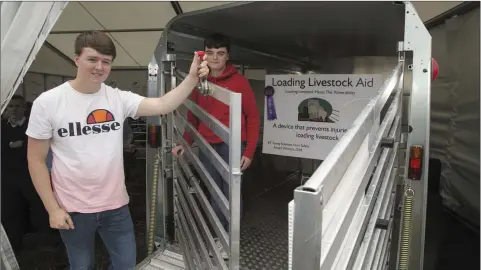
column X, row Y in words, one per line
column 86, row 132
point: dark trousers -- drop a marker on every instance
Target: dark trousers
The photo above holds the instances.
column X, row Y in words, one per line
column 22, row 208
column 223, row 150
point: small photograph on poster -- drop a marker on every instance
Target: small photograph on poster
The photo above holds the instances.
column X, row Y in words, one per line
column 317, row 110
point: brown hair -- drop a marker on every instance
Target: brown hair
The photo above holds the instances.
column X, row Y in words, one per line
column 217, row 41
column 96, row 40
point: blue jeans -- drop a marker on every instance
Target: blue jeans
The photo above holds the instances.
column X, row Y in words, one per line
column 223, row 150
column 116, row 229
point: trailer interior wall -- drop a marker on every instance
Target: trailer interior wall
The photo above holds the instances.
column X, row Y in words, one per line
column 455, row 113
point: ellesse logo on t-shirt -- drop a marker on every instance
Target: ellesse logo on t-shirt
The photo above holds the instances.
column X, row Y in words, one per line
column 98, row 121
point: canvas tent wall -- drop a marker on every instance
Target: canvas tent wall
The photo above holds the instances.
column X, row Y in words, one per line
column 455, row 112
column 135, row 39
column 20, row 44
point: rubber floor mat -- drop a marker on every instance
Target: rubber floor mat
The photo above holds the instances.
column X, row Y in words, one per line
column 264, row 230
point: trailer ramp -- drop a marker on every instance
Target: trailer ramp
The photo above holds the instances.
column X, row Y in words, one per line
column 168, row 259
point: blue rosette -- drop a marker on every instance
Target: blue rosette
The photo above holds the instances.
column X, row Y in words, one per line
column 271, row 108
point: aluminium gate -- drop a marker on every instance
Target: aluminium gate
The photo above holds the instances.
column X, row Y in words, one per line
column 195, row 223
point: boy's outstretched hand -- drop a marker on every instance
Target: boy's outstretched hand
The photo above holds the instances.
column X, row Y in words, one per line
column 199, row 68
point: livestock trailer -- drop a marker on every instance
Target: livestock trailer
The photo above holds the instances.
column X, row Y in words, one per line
column 343, row 216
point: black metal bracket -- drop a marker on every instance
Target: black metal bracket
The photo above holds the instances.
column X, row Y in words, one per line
column 382, row 224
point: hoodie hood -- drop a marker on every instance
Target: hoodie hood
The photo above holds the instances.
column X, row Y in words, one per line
column 229, row 70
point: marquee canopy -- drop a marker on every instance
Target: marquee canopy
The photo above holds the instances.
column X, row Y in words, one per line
column 136, row 27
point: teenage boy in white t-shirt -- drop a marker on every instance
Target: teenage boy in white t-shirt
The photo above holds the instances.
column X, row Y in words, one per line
column 82, row 121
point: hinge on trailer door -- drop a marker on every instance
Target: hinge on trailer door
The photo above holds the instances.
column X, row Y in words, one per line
column 153, row 70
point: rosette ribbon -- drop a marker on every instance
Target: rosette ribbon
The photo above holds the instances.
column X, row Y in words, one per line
column 271, row 108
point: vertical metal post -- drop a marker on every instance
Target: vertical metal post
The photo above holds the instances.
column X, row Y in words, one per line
column 401, row 57
column 398, row 163
column 306, row 247
column 170, row 123
column 155, row 89
column 235, row 179
column 418, row 40
column 167, row 129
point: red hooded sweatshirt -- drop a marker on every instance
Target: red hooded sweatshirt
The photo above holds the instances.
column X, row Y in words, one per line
column 234, row 81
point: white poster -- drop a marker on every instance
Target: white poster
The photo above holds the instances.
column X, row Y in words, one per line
column 306, row 115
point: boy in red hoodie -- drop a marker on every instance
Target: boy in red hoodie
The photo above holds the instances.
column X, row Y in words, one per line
column 217, row 48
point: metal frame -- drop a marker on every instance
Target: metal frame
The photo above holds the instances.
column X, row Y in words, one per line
column 355, row 233
column 160, row 225
column 418, row 40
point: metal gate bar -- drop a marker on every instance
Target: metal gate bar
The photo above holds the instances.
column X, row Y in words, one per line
column 221, row 166
column 185, row 232
column 205, row 204
column 219, row 197
column 185, row 211
column 195, row 209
